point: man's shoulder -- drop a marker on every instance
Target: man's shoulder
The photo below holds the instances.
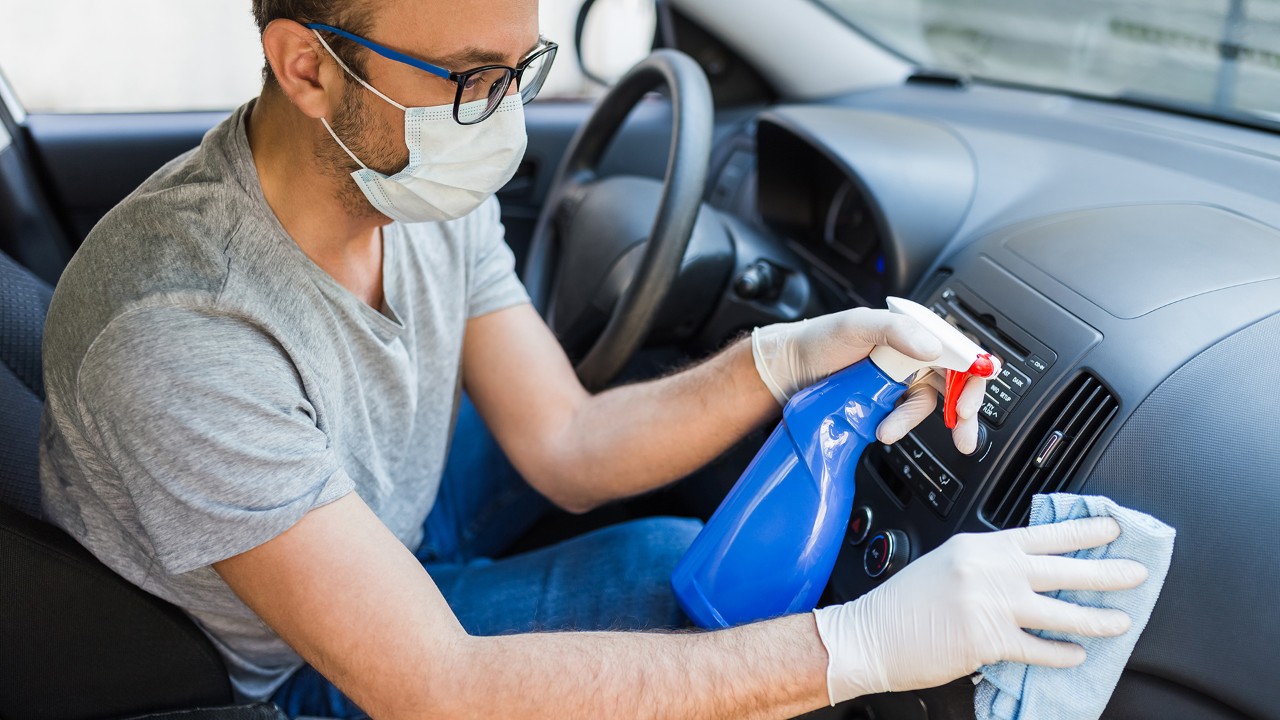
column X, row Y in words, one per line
column 178, row 227
column 178, row 222
column 169, row 243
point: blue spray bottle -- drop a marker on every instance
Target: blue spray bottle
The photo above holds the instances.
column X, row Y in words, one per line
column 771, row 545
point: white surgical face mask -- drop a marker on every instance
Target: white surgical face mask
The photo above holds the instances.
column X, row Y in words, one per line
column 452, row 168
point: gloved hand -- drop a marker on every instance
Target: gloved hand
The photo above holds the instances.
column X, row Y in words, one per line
column 793, row 356
column 965, row 605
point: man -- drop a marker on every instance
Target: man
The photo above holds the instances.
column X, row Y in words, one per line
column 253, row 373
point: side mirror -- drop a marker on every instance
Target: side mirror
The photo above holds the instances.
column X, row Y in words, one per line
column 613, row 35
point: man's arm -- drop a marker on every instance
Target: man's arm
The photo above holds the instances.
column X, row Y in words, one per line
column 582, row 450
column 344, row 593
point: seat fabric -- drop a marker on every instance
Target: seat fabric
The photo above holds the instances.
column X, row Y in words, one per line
column 78, row 640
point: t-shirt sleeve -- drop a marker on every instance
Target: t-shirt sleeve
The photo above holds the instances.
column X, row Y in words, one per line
column 206, row 422
column 493, row 283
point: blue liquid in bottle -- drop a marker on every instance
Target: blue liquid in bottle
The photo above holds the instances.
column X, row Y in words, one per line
column 771, row 545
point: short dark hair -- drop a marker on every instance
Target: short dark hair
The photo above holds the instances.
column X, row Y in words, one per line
column 354, row 16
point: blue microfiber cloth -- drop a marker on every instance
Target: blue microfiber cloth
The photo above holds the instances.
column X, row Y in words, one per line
column 1014, row 691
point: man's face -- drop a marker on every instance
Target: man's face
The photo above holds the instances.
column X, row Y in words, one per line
column 453, row 34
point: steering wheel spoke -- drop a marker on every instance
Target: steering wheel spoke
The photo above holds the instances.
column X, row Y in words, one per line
column 561, row 286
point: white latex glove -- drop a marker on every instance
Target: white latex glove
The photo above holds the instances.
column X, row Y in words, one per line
column 965, row 605
column 793, row 356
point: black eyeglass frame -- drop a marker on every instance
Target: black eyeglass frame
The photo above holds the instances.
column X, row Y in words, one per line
column 544, row 47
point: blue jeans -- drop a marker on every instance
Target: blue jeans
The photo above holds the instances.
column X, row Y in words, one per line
column 618, row 578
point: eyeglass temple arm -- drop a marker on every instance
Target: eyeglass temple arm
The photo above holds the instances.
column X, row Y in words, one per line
column 385, row 52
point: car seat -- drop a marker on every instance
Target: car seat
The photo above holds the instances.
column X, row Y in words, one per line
column 78, row 640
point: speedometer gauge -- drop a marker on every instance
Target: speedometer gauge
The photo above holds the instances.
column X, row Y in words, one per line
column 850, row 230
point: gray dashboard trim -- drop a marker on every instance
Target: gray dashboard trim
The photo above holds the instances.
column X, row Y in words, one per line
column 1214, row 627
column 919, row 177
column 1132, row 260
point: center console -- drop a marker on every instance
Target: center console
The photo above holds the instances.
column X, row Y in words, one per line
column 915, row 494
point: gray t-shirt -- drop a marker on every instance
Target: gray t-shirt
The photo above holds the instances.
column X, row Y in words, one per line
column 208, row 384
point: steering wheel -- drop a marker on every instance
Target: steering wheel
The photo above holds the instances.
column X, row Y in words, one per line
column 565, row 255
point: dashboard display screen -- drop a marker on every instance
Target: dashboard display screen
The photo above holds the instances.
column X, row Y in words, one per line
column 823, row 213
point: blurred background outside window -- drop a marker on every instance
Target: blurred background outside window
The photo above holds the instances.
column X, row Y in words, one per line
column 74, row 56
column 1219, row 56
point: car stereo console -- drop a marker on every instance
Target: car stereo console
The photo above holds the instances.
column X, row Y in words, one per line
column 915, row 494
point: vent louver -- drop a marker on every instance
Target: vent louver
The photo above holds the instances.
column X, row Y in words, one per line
column 1056, row 447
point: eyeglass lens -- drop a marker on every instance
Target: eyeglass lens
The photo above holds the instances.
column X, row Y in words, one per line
column 535, row 73
column 481, row 92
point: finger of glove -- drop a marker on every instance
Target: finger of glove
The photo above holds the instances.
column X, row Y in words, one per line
column 1033, row 650
column 881, row 327
column 935, row 380
column 917, row 404
column 1048, row 573
column 1038, row 612
column 965, row 435
column 972, row 397
column 1065, row 537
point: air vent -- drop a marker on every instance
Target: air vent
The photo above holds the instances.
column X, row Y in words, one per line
column 1056, row 446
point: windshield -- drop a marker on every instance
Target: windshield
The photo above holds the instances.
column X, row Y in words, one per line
column 1221, row 57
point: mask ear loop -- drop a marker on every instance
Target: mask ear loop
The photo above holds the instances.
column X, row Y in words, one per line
column 357, row 78
column 360, row 80
column 341, row 144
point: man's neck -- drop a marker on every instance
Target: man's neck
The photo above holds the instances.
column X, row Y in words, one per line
column 307, row 201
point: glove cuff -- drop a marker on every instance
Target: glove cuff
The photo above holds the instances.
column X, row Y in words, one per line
column 850, row 671
column 762, row 366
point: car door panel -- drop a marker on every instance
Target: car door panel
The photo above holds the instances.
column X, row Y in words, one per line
column 92, row 162
column 28, row 232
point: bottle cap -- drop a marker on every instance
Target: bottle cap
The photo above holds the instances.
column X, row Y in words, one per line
column 961, row 357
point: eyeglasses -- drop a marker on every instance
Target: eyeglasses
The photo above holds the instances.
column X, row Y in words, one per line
column 480, row 90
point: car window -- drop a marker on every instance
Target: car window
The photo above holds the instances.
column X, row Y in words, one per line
column 1220, row 57
column 78, row 56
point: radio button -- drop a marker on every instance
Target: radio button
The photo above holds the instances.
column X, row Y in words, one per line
column 859, row 526
column 1002, row 396
column 1037, row 363
column 995, row 414
column 1017, row 381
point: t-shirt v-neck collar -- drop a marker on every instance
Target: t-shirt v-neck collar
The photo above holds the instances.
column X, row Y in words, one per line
column 387, row 320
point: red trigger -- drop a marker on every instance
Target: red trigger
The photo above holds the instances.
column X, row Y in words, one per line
column 983, row 367
column 955, row 385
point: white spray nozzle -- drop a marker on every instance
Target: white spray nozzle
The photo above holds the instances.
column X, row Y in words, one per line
column 961, row 357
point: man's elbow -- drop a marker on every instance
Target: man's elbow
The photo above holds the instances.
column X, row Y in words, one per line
column 571, row 497
column 574, row 503
column 578, row 507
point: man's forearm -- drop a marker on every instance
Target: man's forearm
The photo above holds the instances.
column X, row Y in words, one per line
column 634, row 438
column 774, row 669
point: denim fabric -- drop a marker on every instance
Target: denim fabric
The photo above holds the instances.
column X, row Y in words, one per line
column 615, row 578
column 1015, row 691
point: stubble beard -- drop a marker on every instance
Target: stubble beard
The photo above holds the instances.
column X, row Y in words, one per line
column 383, row 152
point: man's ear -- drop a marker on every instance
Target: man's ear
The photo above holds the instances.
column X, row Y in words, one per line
column 297, row 60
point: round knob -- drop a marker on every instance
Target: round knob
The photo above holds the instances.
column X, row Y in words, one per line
column 980, row 447
column 886, row 553
column 758, row 281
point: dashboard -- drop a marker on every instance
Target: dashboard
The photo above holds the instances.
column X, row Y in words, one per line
column 824, row 213
column 1125, row 266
